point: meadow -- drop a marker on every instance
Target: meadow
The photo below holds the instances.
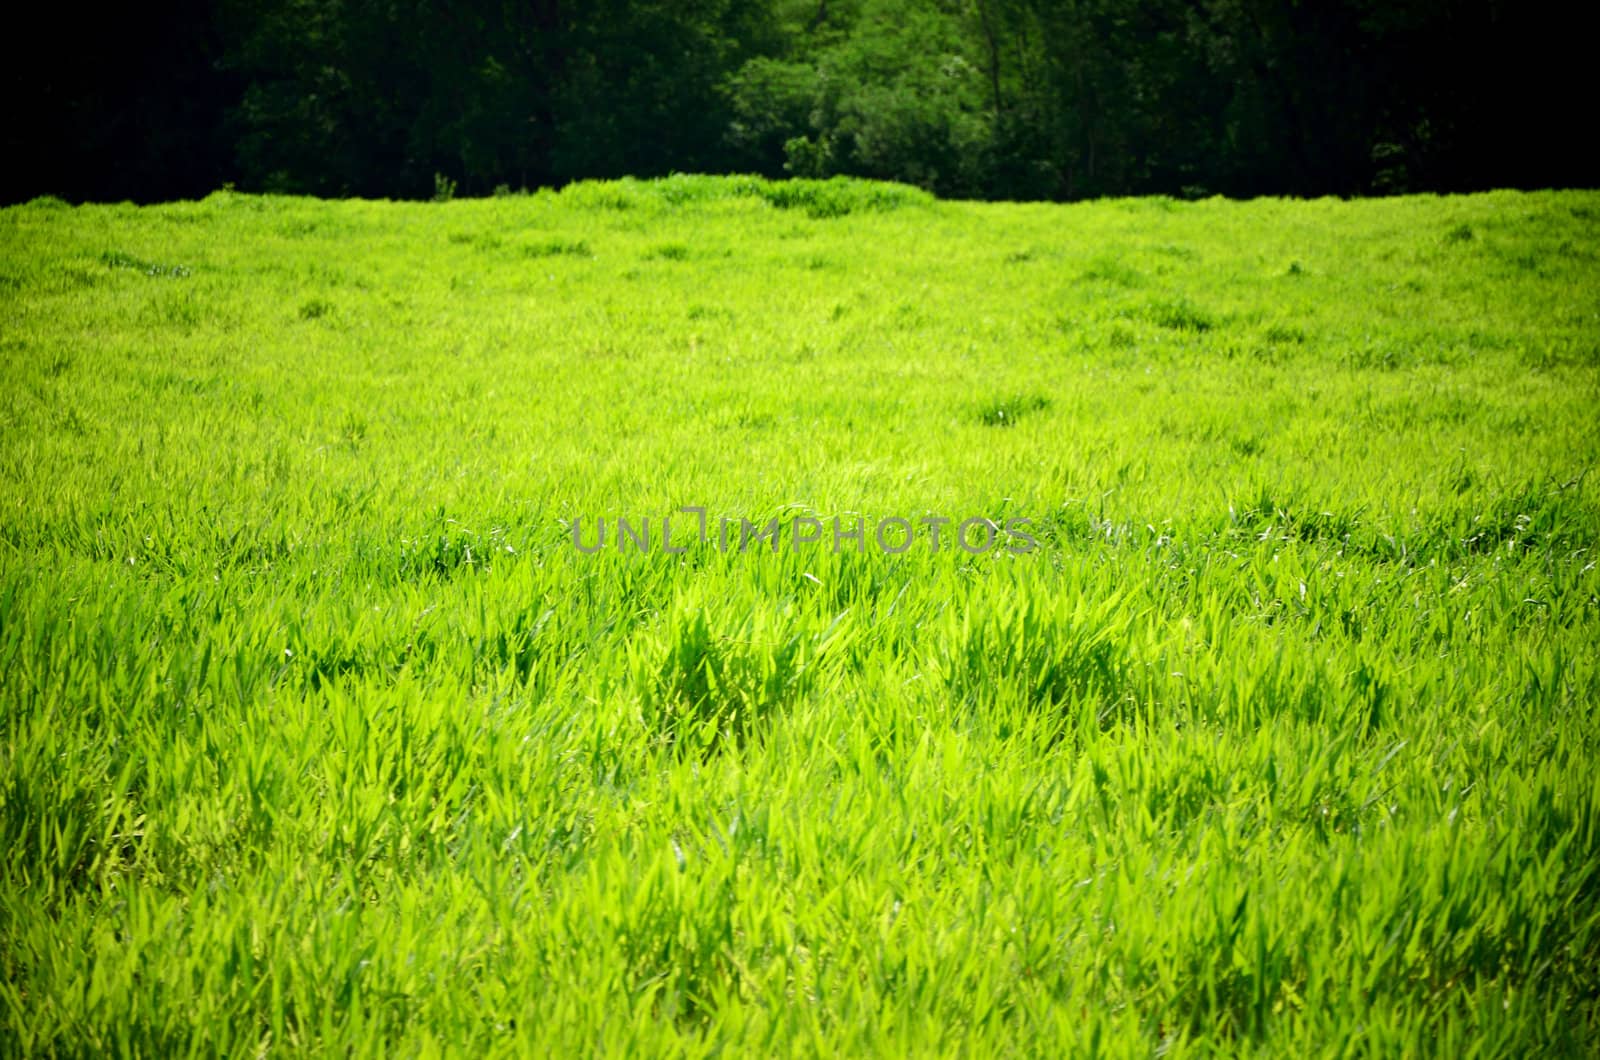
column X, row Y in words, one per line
column 318, row 733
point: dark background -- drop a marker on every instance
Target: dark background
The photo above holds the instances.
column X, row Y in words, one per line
column 1014, row 99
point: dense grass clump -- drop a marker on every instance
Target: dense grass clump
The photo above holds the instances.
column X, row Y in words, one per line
column 318, row 732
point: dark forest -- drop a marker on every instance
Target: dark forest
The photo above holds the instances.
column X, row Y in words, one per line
column 992, row 99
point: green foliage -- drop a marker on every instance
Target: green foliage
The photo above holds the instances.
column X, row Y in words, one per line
column 834, row 197
column 1000, row 99
column 502, row 95
column 317, row 734
column 895, row 98
column 841, row 196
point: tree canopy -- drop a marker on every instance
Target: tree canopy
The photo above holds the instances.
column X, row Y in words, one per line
column 1047, row 99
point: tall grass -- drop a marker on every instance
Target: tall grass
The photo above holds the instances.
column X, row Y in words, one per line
column 317, row 734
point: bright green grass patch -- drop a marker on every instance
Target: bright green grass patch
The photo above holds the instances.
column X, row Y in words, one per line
column 318, row 733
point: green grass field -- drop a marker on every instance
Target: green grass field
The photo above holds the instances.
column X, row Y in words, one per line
column 318, row 732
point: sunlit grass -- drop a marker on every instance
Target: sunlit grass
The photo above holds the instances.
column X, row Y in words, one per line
column 320, row 734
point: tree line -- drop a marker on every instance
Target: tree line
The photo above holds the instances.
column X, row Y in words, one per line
column 1014, row 99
